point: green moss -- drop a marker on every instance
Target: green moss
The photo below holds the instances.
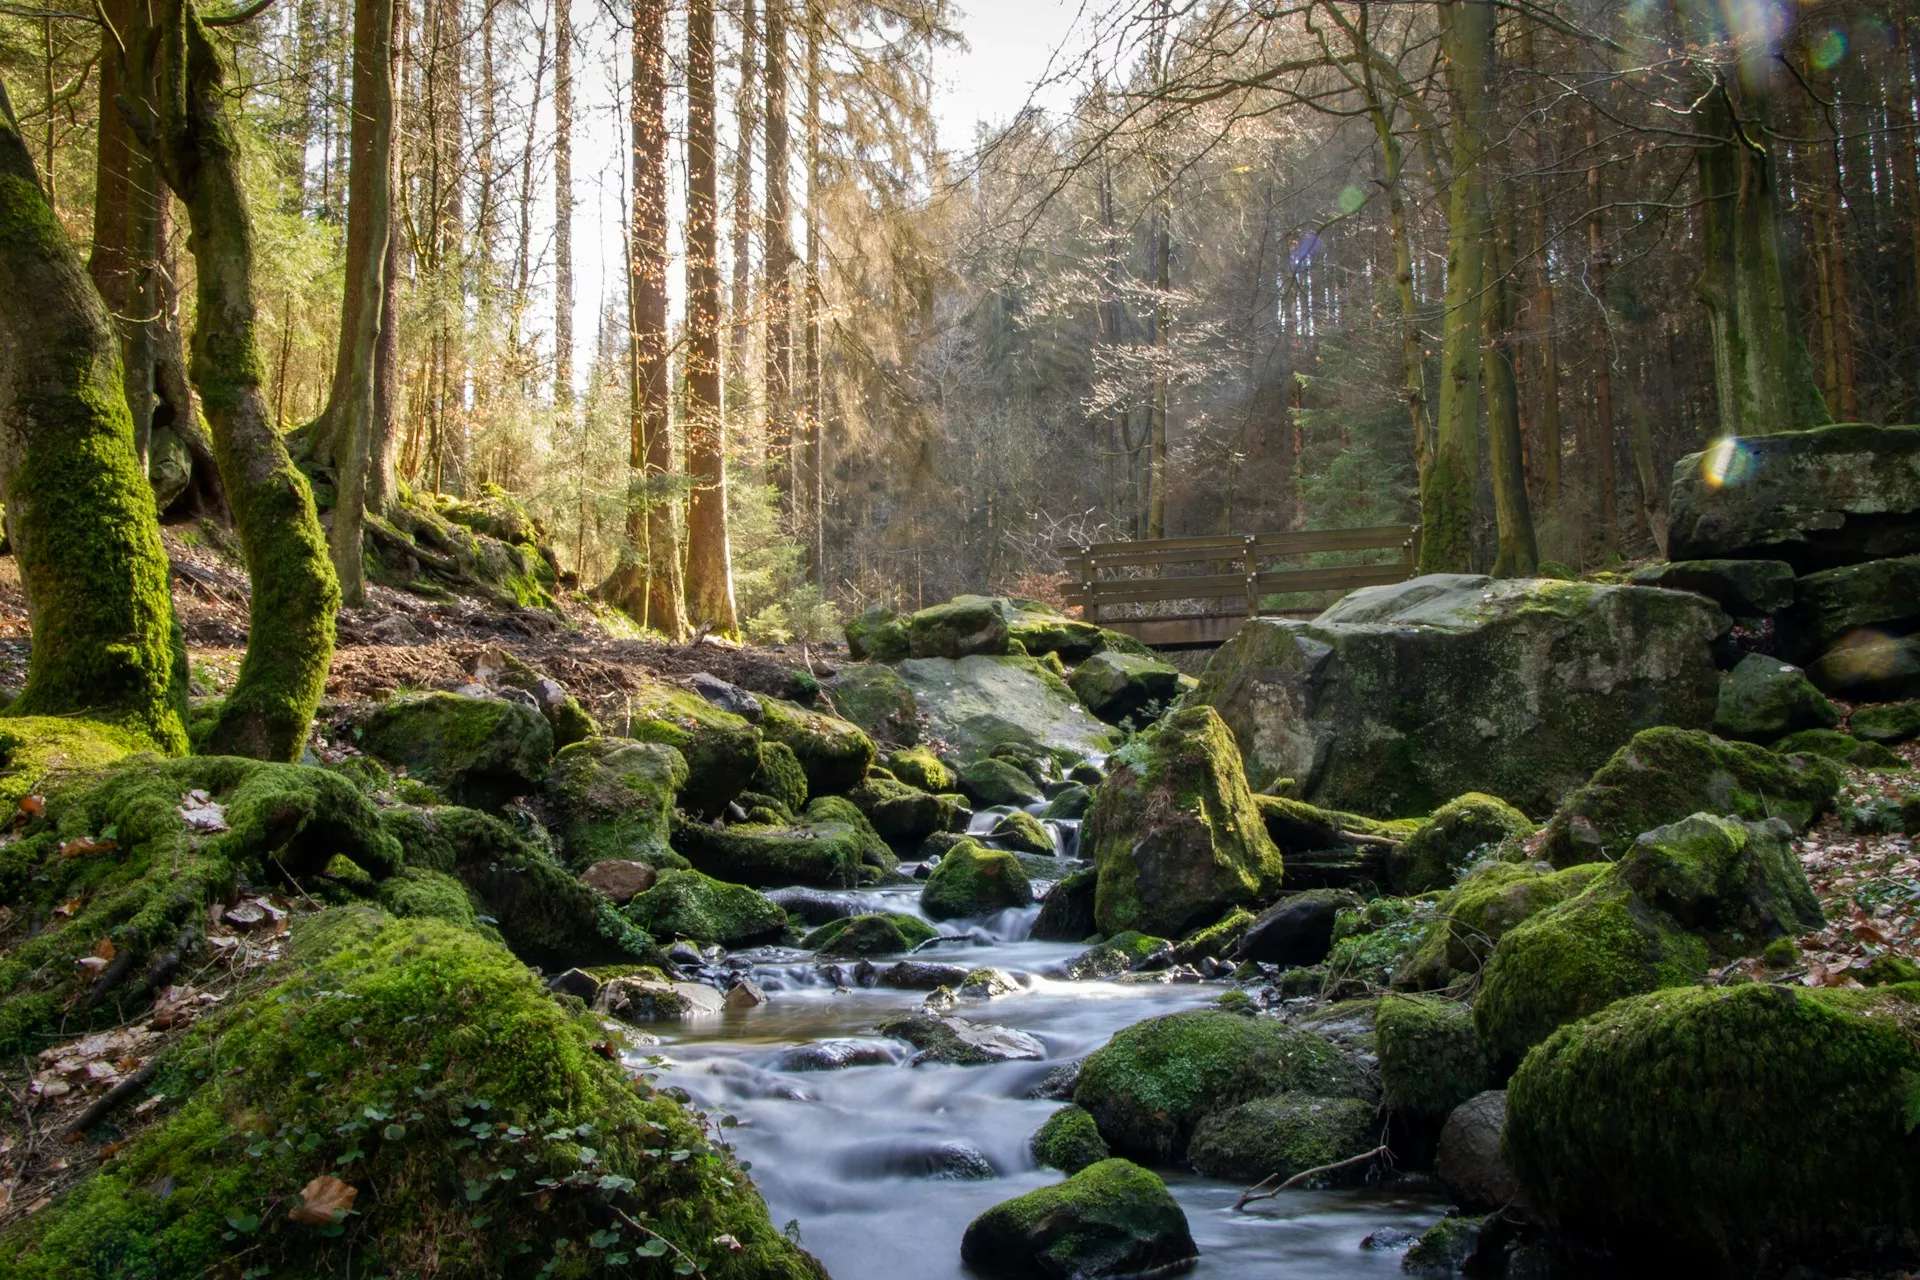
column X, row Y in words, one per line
column 1283, row 1136
column 1665, row 774
column 972, row 880
column 1461, row 831
column 902, row 814
column 877, row 635
column 963, row 626
column 834, row 753
column 780, row 776
column 686, row 904
column 427, row 1069
column 1152, row 1083
column 1727, row 1130
column 414, row 893
column 612, row 798
column 769, row 856
column 1111, row 1218
column 1489, row 902
column 41, row 753
column 882, row 933
column 1376, row 942
column 1071, row 803
column 721, row 749
column 994, row 781
column 1842, row 747
column 1890, row 723
column 1430, row 1055
column 1122, row 953
column 919, row 767
column 480, row 751
column 1023, row 832
column 1217, row 940
column 1069, row 1141
column 1053, row 634
column 879, row 701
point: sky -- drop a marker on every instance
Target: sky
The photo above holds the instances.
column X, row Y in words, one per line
column 1010, row 44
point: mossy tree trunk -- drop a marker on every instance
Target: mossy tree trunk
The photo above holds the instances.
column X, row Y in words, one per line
column 78, row 507
column 1515, row 553
column 294, row 593
column 1447, row 488
column 1762, row 372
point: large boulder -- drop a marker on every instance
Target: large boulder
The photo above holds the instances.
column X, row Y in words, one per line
column 1463, row 831
column 978, row 703
column 1401, row 697
column 874, row 697
column 1115, row 686
column 1746, row 589
column 973, row 880
column 905, row 815
column 830, row 846
column 1830, row 496
column 1684, row 898
column 1883, row 594
column 1470, row 1163
column 1763, row 698
column 686, row 904
column 963, row 626
column 1430, row 1055
column 834, row 753
column 1282, row 1136
column 877, row 635
column 479, row 751
column 1488, row 902
column 1112, row 1218
column 722, row 750
column 1665, row 774
column 611, row 799
column 1728, row 1130
column 1869, row 665
column 1174, row 830
column 1297, row 930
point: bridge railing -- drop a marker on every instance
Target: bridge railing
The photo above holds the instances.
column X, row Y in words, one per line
column 1226, row 575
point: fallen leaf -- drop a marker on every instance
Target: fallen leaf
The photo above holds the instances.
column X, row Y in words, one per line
column 93, row 966
column 81, row 846
column 104, row 948
column 323, row 1202
column 68, row 907
column 33, row 806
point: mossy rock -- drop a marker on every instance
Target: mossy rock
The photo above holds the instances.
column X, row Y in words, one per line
column 1840, row 747
column 415, row 893
column 1122, row 953
column 978, row 703
column 877, row 635
column 1217, row 940
column 1492, row 899
column 686, row 904
column 1119, row 686
column 880, row 933
column 1461, row 831
column 1749, row 589
column 1882, row 594
column 1665, row 774
column 1886, row 724
column 1430, row 1055
column 991, row 780
column 780, row 776
column 1377, row 943
column 1152, row 1083
column 1728, row 1130
column 1763, row 698
column 973, row 880
column 722, row 750
column 1066, row 913
column 1112, row 1218
column 383, row 1051
column 1283, row 1136
column 1071, row 803
column 832, row 813
column 767, row 855
column 1023, row 833
column 140, row 878
column 902, row 814
column 542, row 910
column 480, row 751
column 1174, row 830
column 919, row 767
column 875, row 698
column 834, row 753
column 39, row 754
column 1069, row 1141
column 612, row 798
column 962, row 627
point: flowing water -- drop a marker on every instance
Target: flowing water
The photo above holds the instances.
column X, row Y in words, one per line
column 881, row 1164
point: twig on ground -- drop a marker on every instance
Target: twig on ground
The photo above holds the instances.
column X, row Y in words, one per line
column 1254, row 1192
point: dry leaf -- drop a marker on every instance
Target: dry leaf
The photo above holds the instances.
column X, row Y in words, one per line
column 81, row 846
column 323, row 1202
column 104, row 949
column 68, row 907
column 33, row 806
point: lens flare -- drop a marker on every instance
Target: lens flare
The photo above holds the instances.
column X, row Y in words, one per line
column 1351, row 198
column 1727, row 462
column 1828, row 48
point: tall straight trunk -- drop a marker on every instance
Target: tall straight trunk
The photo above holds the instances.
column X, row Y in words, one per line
column 777, row 350
column 1515, row 553
column 745, row 121
column 1111, row 330
column 1648, row 516
column 1763, row 376
column 343, row 433
column 523, row 239
column 383, row 427
column 1908, row 153
column 1547, row 432
column 78, row 508
column 291, row 612
column 1447, row 490
column 1602, row 349
column 1846, row 390
column 815, row 407
column 1161, row 233
column 709, row 559
column 563, row 208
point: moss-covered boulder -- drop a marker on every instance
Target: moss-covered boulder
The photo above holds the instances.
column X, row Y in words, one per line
column 978, row 703
column 1116, row 686
column 960, row 1042
column 687, row 904
column 1665, row 774
column 1828, row 496
column 962, row 627
column 1401, row 697
column 1463, row 831
column 834, row 753
column 1112, row 1218
column 415, row 893
column 877, row 635
column 1174, row 830
column 1483, row 908
column 902, row 814
column 1685, row 897
column 879, row 933
column 434, row 1078
column 1882, row 594
column 1746, row 589
column 1282, row 1136
column 1071, row 803
column 875, row 698
column 919, row 767
column 973, row 880
column 1842, row 748
column 1889, row 723
column 1122, row 953
column 1430, row 1055
column 612, row 798
column 540, row 907
column 1069, row 1141
column 1066, row 913
column 1728, row 1131
column 1763, row 698
column 1040, row 631
column 722, row 750
column 772, row 855
column 479, row 751
column 1152, row 1083
column 1023, row 833
column 991, row 780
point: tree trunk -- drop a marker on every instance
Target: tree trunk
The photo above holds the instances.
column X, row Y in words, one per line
column 563, row 209
column 1161, row 234
column 1515, row 552
column 1447, row 490
column 745, row 120
column 1548, row 442
column 383, row 438
column 709, row 560
column 79, row 510
column 777, row 265
column 1763, row 375
column 815, row 400
column 1603, row 440
column 294, row 596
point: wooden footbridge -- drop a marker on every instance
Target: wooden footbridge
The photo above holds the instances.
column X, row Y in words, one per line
column 1193, row 593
